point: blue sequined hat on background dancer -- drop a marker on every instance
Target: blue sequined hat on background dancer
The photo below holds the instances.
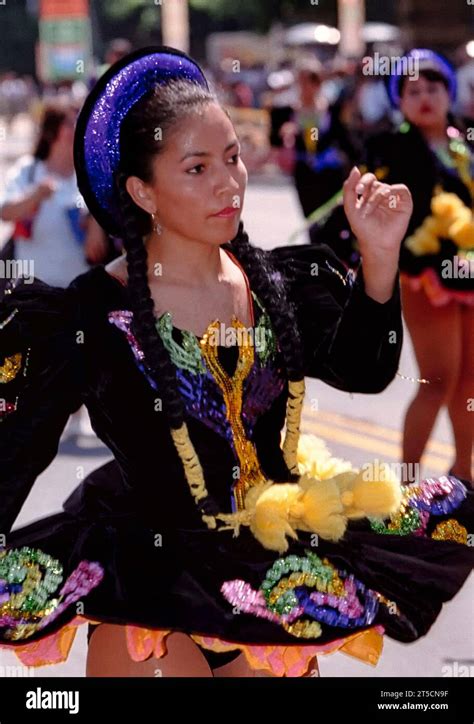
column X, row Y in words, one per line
column 97, row 135
column 423, row 59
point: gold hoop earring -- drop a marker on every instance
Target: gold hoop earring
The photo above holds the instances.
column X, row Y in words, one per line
column 156, row 225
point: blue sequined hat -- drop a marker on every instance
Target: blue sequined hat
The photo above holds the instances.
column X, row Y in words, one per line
column 96, row 140
column 424, row 59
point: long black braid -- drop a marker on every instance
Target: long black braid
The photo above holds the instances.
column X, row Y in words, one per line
column 163, row 108
column 271, row 290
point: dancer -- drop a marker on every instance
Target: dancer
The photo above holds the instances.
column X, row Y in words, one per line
column 429, row 154
column 208, row 533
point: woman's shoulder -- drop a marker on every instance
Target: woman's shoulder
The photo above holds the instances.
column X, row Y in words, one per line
column 34, row 311
column 100, row 286
column 311, row 272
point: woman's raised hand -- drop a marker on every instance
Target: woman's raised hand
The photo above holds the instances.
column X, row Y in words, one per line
column 378, row 214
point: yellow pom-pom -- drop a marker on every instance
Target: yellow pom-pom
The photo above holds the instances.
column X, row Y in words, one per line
column 462, row 231
column 423, row 242
column 315, row 460
column 374, row 491
column 270, row 521
column 347, row 498
column 446, row 205
column 320, row 509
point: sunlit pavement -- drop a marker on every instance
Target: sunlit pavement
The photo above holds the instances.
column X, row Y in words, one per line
column 356, row 427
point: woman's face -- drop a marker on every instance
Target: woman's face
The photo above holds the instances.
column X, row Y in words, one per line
column 198, row 174
column 65, row 136
column 425, row 103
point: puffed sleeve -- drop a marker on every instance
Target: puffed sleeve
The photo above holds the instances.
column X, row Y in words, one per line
column 349, row 340
column 39, row 386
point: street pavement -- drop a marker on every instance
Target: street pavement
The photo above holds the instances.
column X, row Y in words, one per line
column 355, row 427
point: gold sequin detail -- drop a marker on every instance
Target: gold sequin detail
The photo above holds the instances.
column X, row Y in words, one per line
column 334, row 587
column 10, row 368
column 304, row 629
column 450, row 530
column 232, row 388
column 390, row 604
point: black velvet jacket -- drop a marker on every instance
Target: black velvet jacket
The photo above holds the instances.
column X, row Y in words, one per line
column 77, row 357
column 113, row 517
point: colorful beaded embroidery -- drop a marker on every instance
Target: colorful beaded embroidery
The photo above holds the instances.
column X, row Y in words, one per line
column 202, row 399
column 420, row 501
column 29, row 579
column 187, row 355
column 303, row 592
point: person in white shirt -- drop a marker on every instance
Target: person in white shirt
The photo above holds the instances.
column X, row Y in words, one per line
column 53, row 232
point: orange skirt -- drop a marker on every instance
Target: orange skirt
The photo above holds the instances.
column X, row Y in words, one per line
column 142, row 643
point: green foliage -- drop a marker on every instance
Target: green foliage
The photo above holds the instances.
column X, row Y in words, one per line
column 121, row 9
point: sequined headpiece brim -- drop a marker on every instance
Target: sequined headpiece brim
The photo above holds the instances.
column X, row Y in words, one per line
column 96, row 141
column 422, row 59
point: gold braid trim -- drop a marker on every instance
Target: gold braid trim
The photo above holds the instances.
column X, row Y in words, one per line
column 294, row 410
column 192, row 468
column 195, row 476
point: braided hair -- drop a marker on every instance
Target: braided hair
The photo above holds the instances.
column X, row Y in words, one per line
column 164, row 107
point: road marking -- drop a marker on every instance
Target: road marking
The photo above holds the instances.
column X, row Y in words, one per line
column 435, row 446
column 373, row 445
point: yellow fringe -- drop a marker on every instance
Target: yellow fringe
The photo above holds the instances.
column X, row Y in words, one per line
column 194, row 472
column 294, row 410
column 192, row 468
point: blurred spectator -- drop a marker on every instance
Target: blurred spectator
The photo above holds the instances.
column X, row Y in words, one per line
column 243, row 96
column 41, row 197
column 16, row 93
column 117, row 49
column 465, row 100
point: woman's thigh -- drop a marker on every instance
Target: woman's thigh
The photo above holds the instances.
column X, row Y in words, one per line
column 436, row 336
column 108, row 656
column 467, row 344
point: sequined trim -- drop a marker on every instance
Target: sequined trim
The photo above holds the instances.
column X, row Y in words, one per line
column 433, row 496
column 450, row 530
column 232, row 388
column 203, row 399
column 10, row 368
column 122, row 319
column 305, row 593
column 29, row 580
column 185, row 356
